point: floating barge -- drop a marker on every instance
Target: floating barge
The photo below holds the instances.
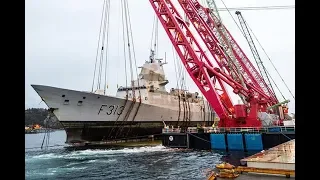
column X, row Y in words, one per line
column 238, row 139
column 279, row 160
column 281, row 157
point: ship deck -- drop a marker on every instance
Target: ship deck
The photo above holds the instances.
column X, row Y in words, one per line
column 278, row 157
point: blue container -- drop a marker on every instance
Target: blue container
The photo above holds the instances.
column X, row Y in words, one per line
column 253, row 142
column 275, row 129
column 235, row 142
column 217, row 141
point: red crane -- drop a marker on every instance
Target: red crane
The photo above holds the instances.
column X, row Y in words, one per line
column 212, row 79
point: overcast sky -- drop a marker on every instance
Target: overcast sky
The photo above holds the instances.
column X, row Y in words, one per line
column 62, row 36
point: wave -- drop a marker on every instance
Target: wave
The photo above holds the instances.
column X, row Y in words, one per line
column 96, row 153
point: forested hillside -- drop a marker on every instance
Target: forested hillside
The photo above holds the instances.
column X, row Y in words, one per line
column 37, row 116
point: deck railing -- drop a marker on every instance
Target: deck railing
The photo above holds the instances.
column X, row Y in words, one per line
column 171, row 130
column 232, row 129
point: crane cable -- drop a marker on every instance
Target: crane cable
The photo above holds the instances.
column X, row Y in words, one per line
column 175, row 66
column 156, row 42
column 271, row 63
column 180, row 72
column 257, row 8
column 263, row 51
column 128, row 43
column 118, row 43
column 127, row 25
column 180, row 86
column 95, row 66
column 104, row 43
column 135, row 64
column 133, row 51
column 266, row 71
column 107, row 54
column 275, row 85
column 120, row 125
column 132, row 42
column 177, row 86
column 182, row 80
column 124, row 48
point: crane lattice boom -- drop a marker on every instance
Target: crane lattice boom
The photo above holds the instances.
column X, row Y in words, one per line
column 233, row 67
column 246, row 66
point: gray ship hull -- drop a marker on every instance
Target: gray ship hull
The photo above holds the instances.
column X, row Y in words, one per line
column 90, row 117
column 105, row 131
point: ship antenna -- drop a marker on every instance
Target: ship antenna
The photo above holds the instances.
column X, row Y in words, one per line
column 154, row 40
column 151, row 56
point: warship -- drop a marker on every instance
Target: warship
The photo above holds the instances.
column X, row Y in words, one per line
column 140, row 110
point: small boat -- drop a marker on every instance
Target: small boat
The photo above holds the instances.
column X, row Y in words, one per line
column 225, row 165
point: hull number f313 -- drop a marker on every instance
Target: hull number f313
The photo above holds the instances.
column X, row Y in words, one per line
column 111, row 109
